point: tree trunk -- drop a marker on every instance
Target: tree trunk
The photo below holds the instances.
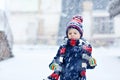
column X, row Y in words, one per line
column 5, row 50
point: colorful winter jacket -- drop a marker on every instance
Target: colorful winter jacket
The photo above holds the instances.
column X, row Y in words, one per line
column 73, row 58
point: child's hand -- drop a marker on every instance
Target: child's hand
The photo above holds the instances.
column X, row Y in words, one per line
column 92, row 62
column 53, row 66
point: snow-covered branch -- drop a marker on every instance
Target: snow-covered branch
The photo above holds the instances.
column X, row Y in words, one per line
column 114, row 8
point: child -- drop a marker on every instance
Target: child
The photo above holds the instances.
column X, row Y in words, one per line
column 74, row 55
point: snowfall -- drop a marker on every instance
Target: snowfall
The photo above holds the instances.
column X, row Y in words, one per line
column 30, row 62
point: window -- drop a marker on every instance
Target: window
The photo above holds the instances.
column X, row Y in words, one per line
column 103, row 25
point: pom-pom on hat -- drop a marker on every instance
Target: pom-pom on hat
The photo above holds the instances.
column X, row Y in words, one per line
column 76, row 22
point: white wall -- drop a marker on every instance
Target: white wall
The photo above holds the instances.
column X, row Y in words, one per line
column 117, row 25
column 2, row 4
column 25, row 15
column 22, row 5
column 23, row 27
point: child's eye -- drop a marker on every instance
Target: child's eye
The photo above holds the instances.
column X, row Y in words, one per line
column 70, row 33
column 75, row 33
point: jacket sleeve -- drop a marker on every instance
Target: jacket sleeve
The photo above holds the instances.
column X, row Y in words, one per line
column 58, row 58
column 87, row 55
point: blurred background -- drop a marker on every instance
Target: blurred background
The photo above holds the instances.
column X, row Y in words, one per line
column 44, row 21
column 34, row 23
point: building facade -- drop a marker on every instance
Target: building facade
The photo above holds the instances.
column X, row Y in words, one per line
column 34, row 21
column 37, row 21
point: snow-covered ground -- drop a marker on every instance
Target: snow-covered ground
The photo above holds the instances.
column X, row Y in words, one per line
column 31, row 62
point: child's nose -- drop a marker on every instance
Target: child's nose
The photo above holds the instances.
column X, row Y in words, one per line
column 72, row 34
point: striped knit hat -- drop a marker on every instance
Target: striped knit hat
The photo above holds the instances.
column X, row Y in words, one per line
column 76, row 22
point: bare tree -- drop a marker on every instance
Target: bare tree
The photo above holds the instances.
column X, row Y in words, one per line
column 114, row 8
column 6, row 38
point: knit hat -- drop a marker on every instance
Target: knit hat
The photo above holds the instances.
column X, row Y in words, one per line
column 76, row 22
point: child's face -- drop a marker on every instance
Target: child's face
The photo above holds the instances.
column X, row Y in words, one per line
column 73, row 34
